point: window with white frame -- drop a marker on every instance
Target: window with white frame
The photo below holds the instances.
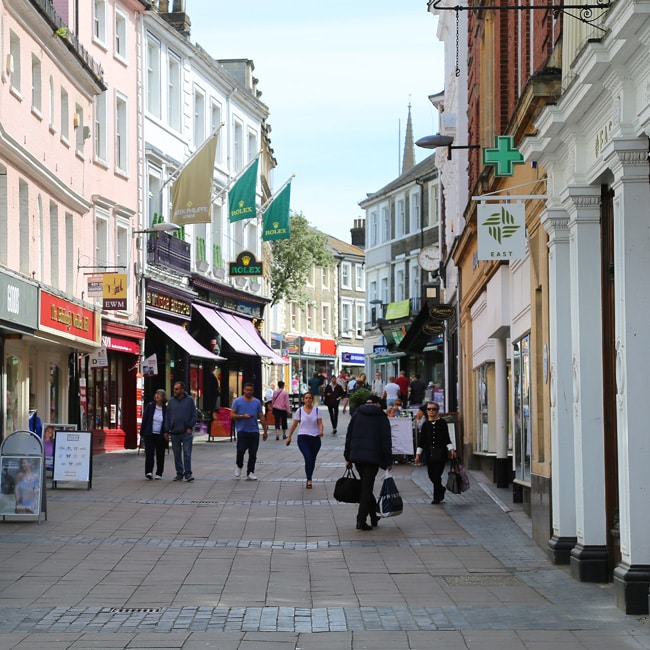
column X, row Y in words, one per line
column 385, row 296
column 153, row 76
column 174, row 91
column 121, row 134
column 373, row 227
column 310, row 277
column 69, row 253
column 401, row 218
column 361, row 320
column 121, row 31
column 215, row 123
column 40, row 247
column 414, row 275
column 399, row 284
column 293, row 311
column 101, row 127
column 325, row 310
column 199, row 117
column 14, row 54
column 37, row 85
column 346, row 319
column 359, row 277
column 325, row 277
column 309, row 312
column 99, row 21
column 54, row 244
column 101, row 237
column 154, row 204
column 52, row 101
column 65, row 115
column 122, row 241
column 79, row 123
column 385, row 223
column 346, row 272
column 372, row 290
column 434, row 215
column 253, row 148
column 238, row 145
column 415, row 212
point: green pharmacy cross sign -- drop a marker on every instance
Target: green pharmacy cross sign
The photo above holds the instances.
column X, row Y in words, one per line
column 504, row 156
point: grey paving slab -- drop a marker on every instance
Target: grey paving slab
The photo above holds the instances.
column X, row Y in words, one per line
column 228, row 563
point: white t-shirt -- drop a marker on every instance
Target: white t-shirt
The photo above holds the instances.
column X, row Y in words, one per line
column 392, row 391
column 157, row 422
column 308, row 421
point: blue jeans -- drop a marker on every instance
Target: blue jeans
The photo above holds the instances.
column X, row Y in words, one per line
column 247, row 440
column 309, row 447
column 182, row 448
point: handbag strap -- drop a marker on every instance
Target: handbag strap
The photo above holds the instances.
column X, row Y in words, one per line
column 349, row 473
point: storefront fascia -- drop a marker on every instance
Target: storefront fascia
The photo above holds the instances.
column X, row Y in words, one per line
column 316, row 355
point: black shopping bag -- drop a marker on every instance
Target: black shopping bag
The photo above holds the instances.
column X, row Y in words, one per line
column 348, row 488
column 454, row 479
column 390, row 502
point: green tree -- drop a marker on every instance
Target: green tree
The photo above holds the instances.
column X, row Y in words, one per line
column 294, row 258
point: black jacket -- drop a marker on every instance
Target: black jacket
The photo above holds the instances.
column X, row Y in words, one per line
column 147, row 418
column 434, row 435
column 369, row 437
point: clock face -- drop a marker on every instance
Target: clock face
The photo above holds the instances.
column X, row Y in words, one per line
column 428, row 258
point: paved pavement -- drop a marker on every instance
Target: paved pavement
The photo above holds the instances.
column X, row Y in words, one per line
column 268, row 565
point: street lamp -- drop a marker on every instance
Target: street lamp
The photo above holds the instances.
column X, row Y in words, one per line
column 163, row 226
column 437, row 140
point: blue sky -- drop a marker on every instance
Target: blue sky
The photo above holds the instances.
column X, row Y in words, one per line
column 337, row 78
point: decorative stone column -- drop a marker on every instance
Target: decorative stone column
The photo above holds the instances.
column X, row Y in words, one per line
column 589, row 558
column 503, row 463
column 628, row 160
column 563, row 492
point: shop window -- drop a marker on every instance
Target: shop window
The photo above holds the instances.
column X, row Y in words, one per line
column 55, row 393
column 13, row 369
column 482, row 411
column 105, row 396
column 521, row 402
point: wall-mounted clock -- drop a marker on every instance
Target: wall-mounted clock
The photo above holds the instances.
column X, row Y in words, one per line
column 428, row 258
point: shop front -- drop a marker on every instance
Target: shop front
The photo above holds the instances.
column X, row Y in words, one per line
column 309, row 354
column 352, row 359
column 18, row 321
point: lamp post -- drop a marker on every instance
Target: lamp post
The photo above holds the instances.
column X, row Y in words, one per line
column 437, row 140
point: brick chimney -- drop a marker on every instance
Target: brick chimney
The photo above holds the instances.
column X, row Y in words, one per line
column 358, row 233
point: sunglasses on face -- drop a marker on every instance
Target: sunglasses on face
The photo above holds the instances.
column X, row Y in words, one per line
column 432, row 409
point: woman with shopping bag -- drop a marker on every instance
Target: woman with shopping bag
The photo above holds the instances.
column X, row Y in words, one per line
column 435, row 445
column 368, row 445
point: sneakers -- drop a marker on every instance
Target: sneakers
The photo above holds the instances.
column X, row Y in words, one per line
column 158, row 477
column 149, row 476
column 178, row 478
column 189, row 479
column 237, row 472
column 251, row 477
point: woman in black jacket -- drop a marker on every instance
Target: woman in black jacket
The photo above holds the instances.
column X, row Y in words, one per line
column 368, row 445
column 151, row 431
column 434, row 442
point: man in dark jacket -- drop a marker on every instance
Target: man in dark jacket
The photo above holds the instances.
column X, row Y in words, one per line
column 180, row 419
column 368, row 445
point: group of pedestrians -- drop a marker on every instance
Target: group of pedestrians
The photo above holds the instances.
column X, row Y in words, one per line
column 368, row 443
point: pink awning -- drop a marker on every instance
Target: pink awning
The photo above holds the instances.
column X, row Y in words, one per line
column 182, row 337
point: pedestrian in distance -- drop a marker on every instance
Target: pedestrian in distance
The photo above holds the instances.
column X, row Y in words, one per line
column 391, row 392
column 268, row 397
column 246, row 411
column 153, row 435
column 334, row 393
column 309, row 423
column 281, row 410
column 416, row 391
column 368, row 445
column 434, row 444
column 180, row 419
column 403, row 382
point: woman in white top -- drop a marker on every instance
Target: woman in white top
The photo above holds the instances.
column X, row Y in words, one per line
column 309, row 434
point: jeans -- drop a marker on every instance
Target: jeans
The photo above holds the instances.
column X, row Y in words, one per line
column 155, row 446
column 182, row 448
column 368, row 503
column 247, row 440
column 309, row 447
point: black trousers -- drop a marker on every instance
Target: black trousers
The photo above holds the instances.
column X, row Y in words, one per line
column 435, row 469
column 368, row 504
column 155, row 446
column 334, row 415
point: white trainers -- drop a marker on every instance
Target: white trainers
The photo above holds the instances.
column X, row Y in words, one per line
column 237, row 472
column 251, row 477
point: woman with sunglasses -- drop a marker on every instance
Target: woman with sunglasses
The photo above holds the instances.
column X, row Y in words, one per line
column 435, row 444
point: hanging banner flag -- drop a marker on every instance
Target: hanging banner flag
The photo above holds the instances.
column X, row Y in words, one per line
column 501, row 231
column 243, row 195
column 276, row 216
column 192, row 190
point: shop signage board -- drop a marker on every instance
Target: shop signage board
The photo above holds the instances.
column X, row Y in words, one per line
column 22, row 465
column 402, row 436
column 72, row 457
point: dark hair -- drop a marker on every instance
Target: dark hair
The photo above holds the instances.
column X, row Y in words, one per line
column 249, row 383
column 180, row 383
column 280, row 384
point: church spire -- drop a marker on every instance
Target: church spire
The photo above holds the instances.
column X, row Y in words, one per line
column 408, row 160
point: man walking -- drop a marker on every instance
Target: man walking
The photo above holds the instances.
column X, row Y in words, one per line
column 179, row 423
column 246, row 411
column 368, row 445
column 333, row 395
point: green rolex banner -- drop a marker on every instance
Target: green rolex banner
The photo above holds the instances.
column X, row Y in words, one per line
column 276, row 216
column 192, row 190
column 242, row 196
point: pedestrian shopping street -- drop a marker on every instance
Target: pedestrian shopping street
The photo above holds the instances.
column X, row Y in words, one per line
column 263, row 565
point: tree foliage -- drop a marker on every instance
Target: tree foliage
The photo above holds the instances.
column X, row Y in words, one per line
column 294, row 258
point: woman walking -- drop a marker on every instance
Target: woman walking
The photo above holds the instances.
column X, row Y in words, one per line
column 151, row 431
column 309, row 434
column 435, row 442
column 281, row 410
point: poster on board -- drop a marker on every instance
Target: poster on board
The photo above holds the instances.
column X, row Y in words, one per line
column 21, row 485
column 72, row 456
column 402, row 436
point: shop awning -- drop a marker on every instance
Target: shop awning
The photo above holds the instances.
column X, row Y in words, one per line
column 182, row 337
column 240, row 334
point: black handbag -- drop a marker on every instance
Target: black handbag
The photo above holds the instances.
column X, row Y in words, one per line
column 454, row 479
column 348, row 488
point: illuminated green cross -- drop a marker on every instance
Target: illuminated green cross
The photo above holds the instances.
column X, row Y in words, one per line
column 504, row 156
